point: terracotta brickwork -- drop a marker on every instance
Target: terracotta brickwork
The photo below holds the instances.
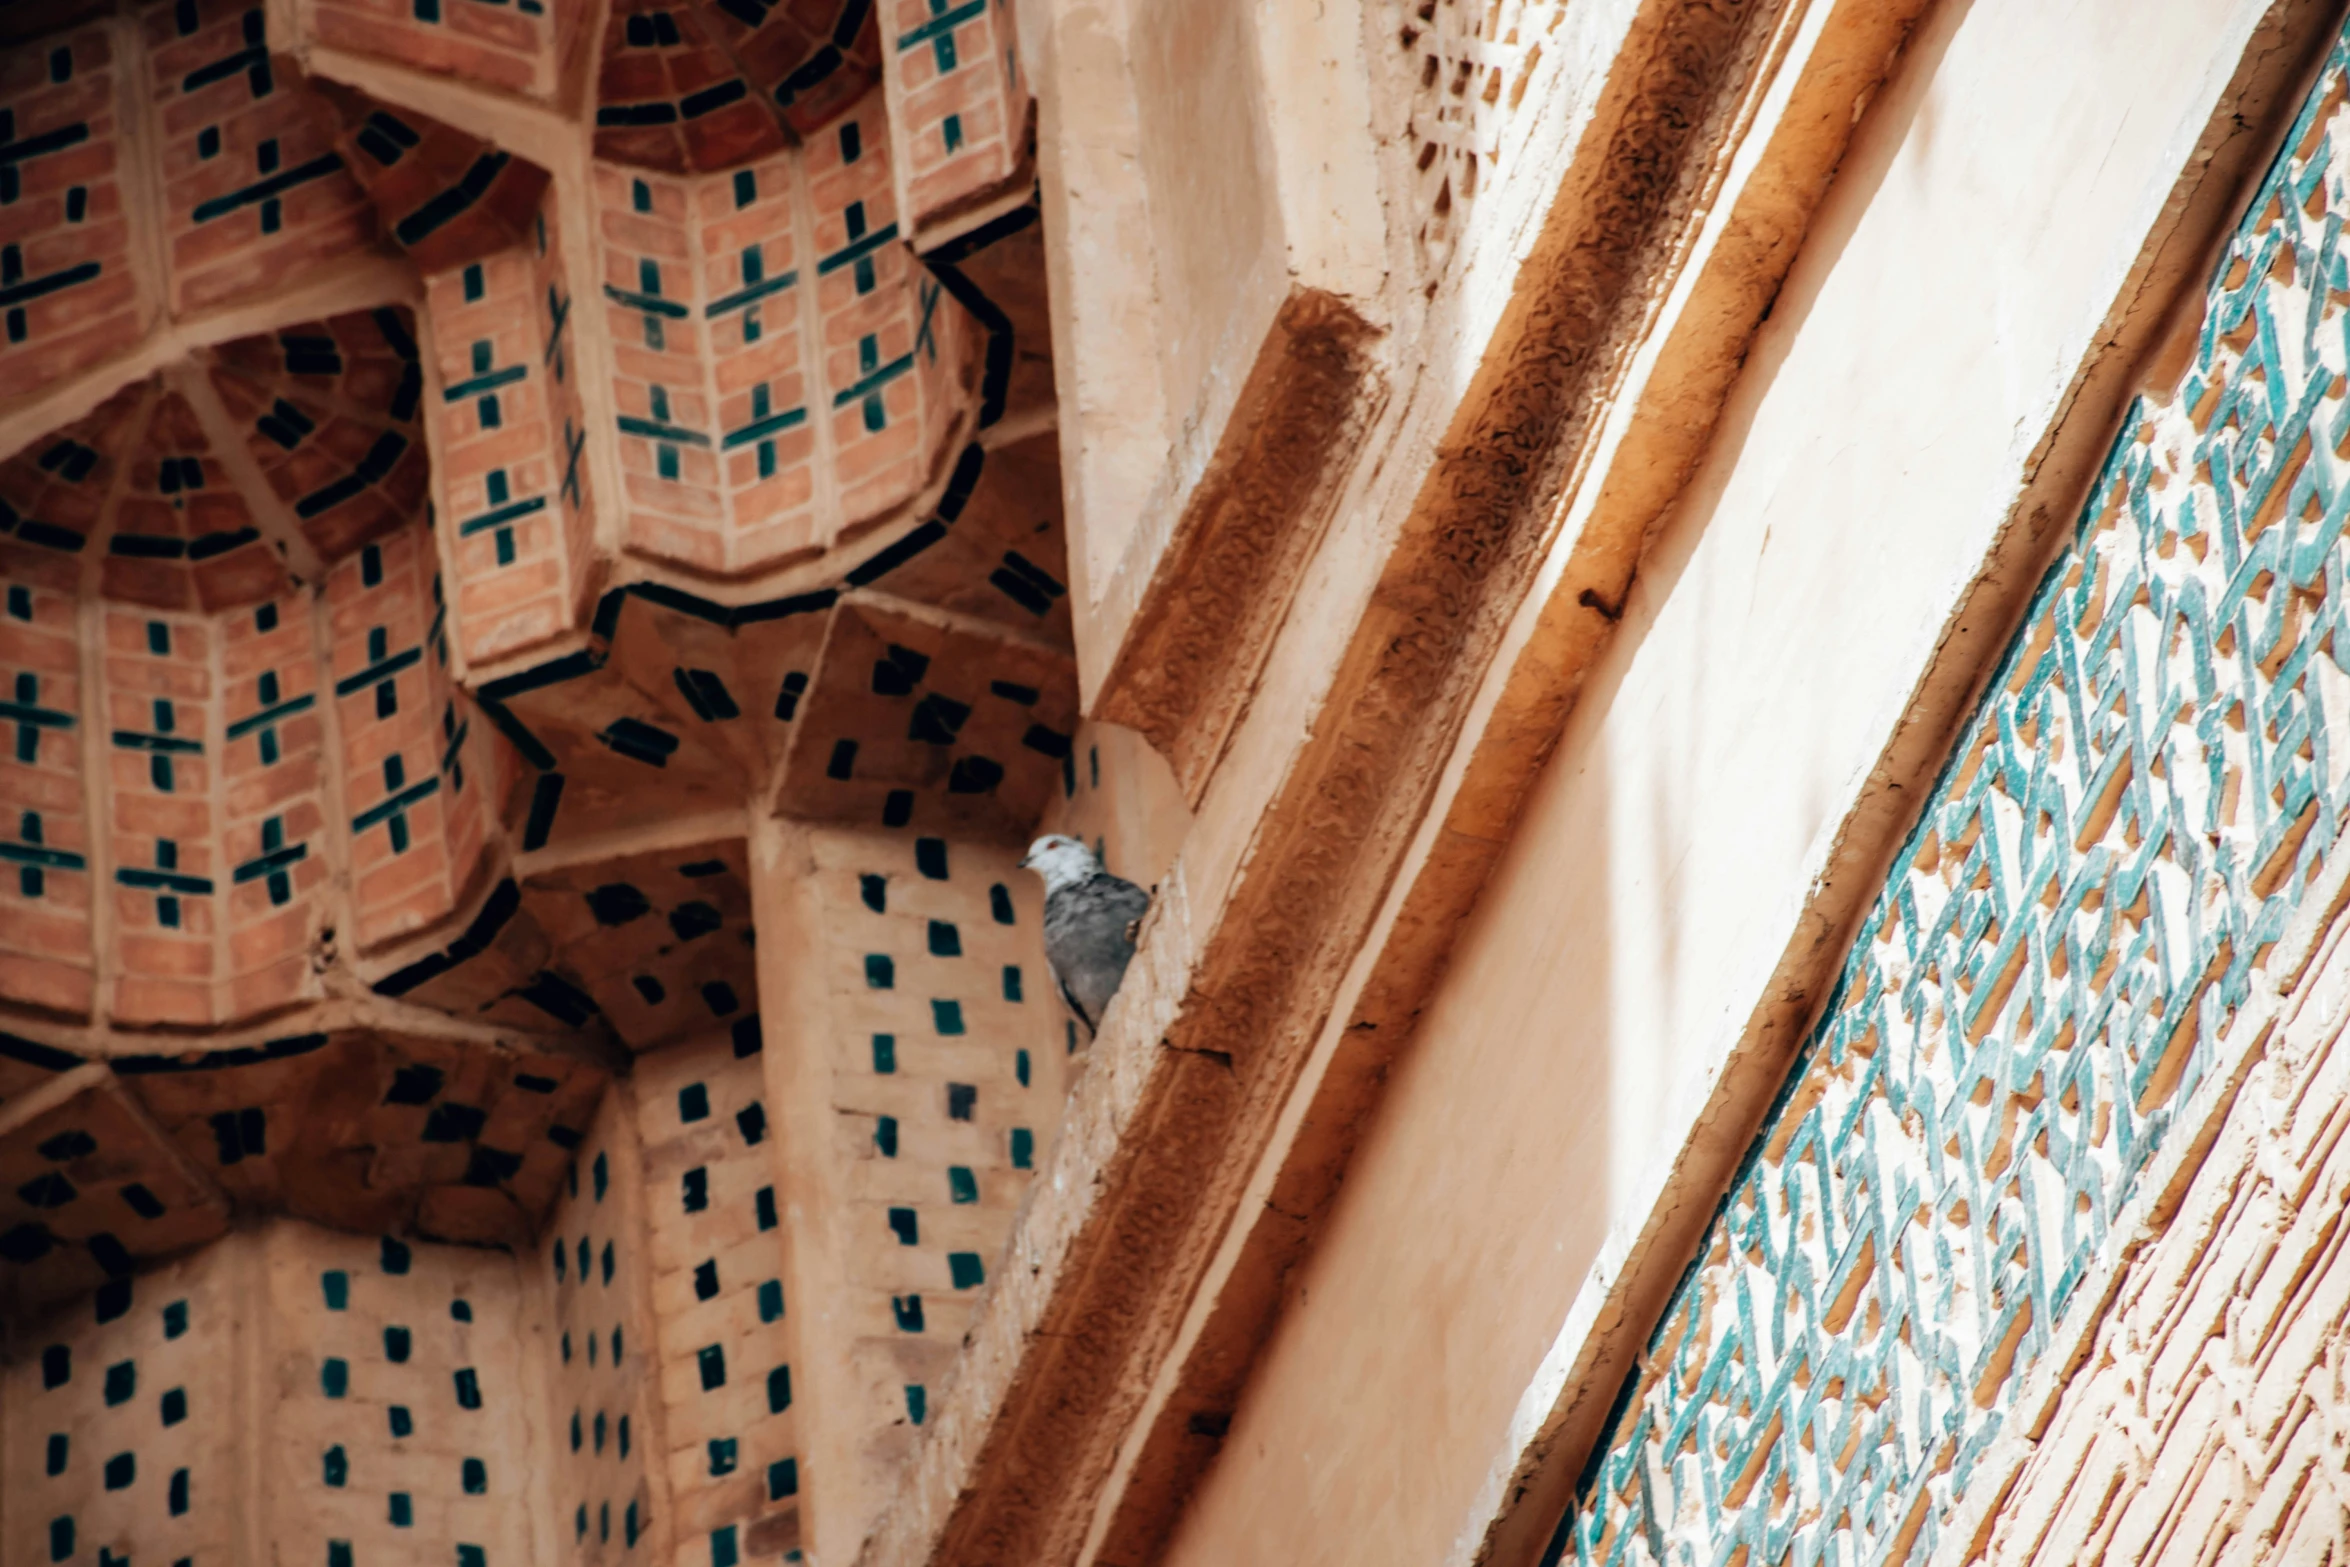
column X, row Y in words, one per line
column 253, row 190
column 119, row 1418
column 444, row 197
column 394, row 685
column 526, row 47
column 416, row 824
column 744, row 448
column 274, row 804
column 716, row 1272
column 46, row 898
column 93, row 1190
column 510, row 476
column 670, row 98
column 950, row 1058
column 812, row 58
column 961, row 103
column 609, row 1479
column 71, row 292
column 393, row 1400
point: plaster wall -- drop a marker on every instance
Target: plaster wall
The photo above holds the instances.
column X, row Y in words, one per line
column 1860, row 484
column 1201, row 165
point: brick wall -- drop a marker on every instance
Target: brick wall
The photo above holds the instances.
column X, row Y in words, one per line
column 398, row 1423
column 526, row 47
column 71, row 290
column 961, row 103
column 509, row 430
column 609, row 1475
column 950, row 1057
column 715, row 1263
column 122, row 1416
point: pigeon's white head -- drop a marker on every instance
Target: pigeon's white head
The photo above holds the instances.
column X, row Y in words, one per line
column 1062, row 861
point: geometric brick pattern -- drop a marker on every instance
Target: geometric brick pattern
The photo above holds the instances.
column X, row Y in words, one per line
column 444, row 197
column 511, row 480
column 253, row 190
column 113, row 1164
column 400, row 1396
column 607, row 1367
column 69, row 296
column 2058, row 956
column 352, row 674
column 328, row 412
column 122, row 1423
column 917, row 710
column 90, row 1187
column 786, row 371
column 702, row 298
column 670, row 98
column 526, row 47
column 950, row 1058
column 716, row 1275
column 811, row 58
column 961, row 101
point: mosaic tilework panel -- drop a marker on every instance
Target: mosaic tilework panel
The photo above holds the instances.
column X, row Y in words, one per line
column 413, row 766
column 951, row 1058
column 962, row 103
column 122, row 1423
column 398, row 1431
column 717, row 1290
column 2127, row 823
column 254, row 191
column 69, row 294
column 606, row 1410
column 46, row 957
column 2200, row 1425
column 512, row 478
column 525, row 47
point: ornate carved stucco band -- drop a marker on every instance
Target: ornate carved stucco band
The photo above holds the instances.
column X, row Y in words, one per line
column 1201, row 635
column 2059, row 956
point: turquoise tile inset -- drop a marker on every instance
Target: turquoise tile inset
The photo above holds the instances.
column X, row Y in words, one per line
column 2132, row 815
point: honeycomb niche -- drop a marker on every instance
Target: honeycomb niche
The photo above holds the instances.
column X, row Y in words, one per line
column 431, row 564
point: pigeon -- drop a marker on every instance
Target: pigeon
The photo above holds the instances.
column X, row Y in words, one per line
column 1090, row 921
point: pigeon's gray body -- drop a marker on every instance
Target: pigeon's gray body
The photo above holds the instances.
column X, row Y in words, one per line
column 1089, row 939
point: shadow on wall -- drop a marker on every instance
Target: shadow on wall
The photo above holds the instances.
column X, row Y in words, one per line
column 1120, row 796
